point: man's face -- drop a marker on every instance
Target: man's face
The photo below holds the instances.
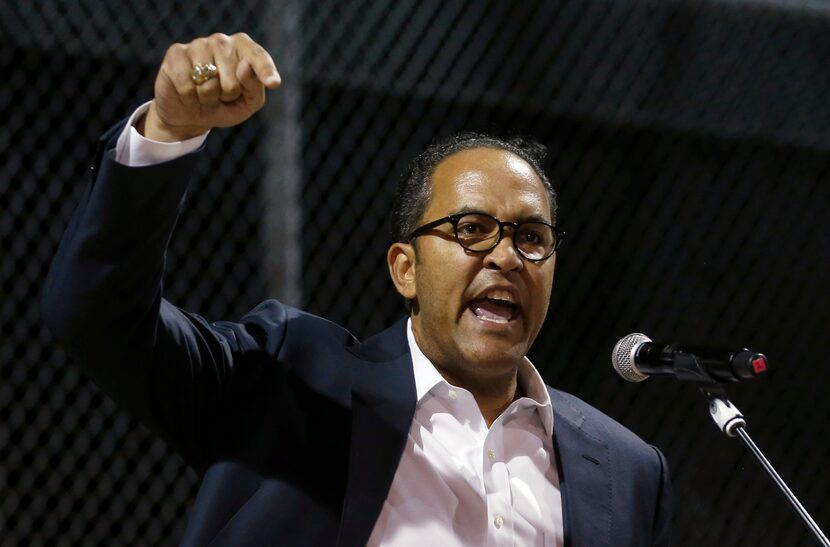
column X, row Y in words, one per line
column 457, row 318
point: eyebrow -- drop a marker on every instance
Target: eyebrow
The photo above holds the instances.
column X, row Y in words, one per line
column 529, row 218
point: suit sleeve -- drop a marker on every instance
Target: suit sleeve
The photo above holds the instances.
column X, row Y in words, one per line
column 103, row 302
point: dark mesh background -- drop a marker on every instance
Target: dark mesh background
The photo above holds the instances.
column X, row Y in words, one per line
column 689, row 145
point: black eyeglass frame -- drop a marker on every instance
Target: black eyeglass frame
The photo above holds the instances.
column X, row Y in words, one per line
column 453, row 219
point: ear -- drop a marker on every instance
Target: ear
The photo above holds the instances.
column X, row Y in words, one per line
column 401, row 260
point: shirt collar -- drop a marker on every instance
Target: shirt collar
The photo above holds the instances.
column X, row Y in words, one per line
column 528, row 379
column 426, row 375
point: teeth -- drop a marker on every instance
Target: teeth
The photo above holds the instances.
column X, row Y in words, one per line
column 500, row 294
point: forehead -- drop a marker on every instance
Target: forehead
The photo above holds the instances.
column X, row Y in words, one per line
column 490, row 180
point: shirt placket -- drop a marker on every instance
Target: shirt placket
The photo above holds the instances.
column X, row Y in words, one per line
column 496, row 479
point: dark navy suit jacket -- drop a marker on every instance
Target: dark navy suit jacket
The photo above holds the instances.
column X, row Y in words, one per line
column 295, row 426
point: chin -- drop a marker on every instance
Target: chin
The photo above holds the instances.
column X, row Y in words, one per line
column 495, row 356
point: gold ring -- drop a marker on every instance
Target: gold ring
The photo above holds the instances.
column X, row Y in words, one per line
column 203, row 72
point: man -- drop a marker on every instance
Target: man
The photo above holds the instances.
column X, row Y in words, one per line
column 438, row 430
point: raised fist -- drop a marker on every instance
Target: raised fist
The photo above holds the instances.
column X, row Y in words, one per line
column 186, row 105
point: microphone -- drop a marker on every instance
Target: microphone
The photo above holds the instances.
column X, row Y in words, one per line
column 635, row 357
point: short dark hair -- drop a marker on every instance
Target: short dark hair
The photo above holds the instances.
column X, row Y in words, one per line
column 415, row 189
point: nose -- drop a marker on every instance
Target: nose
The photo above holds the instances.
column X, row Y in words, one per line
column 504, row 256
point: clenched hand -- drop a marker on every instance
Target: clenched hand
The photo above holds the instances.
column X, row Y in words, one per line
column 182, row 109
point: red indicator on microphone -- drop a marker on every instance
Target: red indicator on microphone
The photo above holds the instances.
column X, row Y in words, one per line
column 759, row 365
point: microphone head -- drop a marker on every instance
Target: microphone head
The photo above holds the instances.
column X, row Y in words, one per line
column 622, row 356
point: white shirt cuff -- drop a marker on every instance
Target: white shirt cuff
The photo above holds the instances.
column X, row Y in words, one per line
column 134, row 150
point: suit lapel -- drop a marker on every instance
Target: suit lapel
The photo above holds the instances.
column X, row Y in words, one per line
column 383, row 404
column 584, row 465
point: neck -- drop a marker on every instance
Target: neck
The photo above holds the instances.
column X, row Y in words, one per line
column 492, row 395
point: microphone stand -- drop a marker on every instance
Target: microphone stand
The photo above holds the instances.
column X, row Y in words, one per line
column 731, row 422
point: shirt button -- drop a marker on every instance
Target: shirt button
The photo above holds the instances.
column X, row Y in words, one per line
column 453, row 395
column 498, row 521
column 491, row 454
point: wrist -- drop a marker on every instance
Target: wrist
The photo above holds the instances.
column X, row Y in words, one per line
column 151, row 126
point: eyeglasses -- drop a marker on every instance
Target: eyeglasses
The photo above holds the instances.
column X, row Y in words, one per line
column 479, row 232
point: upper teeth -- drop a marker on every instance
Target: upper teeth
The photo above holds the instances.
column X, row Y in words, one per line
column 500, row 294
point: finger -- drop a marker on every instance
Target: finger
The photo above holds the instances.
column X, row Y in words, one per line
column 252, row 89
column 201, row 53
column 224, row 55
column 208, row 91
column 259, row 59
column 175, row 70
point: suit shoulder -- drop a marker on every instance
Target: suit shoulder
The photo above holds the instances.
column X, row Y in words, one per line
column 598, row 425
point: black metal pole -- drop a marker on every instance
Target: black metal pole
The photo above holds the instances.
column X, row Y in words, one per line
column 753, row 448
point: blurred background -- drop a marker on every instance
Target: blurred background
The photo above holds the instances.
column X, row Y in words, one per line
column 689, row 143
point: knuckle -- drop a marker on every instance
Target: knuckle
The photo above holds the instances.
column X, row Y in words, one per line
column 175, row 49
column 242, row 36
column 209, row 86
column 219, row 38
column 208, row 93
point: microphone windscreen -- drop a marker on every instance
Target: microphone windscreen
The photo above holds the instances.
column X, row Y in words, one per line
column 622, row 356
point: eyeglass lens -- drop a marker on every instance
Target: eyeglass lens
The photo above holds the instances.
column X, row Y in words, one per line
column 478, row 232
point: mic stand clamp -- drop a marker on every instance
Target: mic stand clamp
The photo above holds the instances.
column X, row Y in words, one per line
column 726, row 415
column 731, row 422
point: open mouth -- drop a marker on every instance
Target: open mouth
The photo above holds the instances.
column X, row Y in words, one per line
column 494, row 310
